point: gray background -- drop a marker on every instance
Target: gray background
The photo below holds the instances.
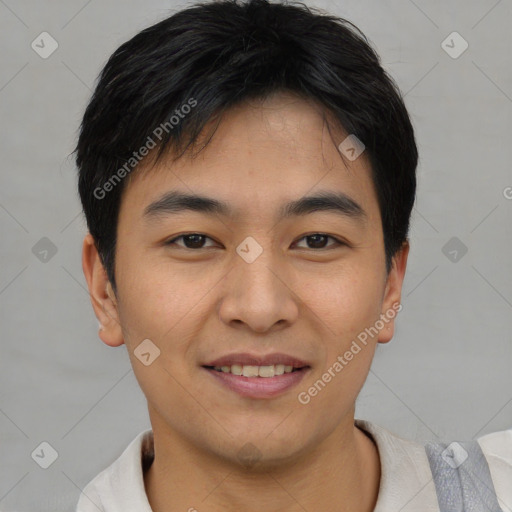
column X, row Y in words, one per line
column 447, row 372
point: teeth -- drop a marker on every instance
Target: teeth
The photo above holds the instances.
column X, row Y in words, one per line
column 279, row 369
column 255, row 371
column 250, row 371
column 266, row 371
column 236, row 369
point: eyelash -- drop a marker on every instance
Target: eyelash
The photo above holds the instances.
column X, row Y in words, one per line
column 337, row 244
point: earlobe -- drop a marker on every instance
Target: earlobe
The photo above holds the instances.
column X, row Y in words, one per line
column 102, row 295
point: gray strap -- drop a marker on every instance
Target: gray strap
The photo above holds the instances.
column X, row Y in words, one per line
column 462, row 478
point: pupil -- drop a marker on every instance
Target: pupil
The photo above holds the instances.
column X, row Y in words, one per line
column 318, row 237
column 195, row 242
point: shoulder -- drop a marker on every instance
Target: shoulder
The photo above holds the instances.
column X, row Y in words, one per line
column 406, row 480
column 432, row 475
column 497, row 449
column 498, row 446
column 122, row 482
column 478, row 471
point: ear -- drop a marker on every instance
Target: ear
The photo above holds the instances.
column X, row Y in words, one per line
column 393, row 293
column 102, row 295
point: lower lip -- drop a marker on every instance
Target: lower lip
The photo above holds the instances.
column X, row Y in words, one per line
column 259, row 387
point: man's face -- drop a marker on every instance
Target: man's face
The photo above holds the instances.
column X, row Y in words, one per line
column 204, row 297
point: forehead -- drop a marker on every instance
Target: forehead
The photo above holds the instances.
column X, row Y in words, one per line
column 262, row 154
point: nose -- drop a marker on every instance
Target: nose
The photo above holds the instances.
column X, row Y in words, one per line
column 259, row 295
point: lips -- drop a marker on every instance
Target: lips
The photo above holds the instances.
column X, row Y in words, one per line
column 258, row 376
column 246, row 359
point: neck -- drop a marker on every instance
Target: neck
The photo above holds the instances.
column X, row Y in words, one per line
column 341, row 474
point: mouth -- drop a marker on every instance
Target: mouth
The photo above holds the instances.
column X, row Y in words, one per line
column 251, row 371
column 258, row 380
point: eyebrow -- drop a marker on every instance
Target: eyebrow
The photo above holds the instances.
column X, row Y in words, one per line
column 326, row 201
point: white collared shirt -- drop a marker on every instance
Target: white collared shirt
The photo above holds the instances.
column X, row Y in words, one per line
column 406, row 483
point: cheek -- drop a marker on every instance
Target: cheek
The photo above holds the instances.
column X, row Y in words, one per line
column 346, row 302
column 345, row 307
column 168, row 305
column 161, row 306
column 156, row 296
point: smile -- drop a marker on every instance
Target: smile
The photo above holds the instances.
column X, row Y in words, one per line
column 256, row 371
column 257, row 381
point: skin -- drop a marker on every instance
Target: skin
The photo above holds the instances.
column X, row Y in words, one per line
column 307, row 300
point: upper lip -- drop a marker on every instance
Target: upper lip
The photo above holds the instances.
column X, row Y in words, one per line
column 243, row 358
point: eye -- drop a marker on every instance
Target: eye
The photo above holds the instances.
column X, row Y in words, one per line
column 191, row 240
column 196, row 241
column 319, row 239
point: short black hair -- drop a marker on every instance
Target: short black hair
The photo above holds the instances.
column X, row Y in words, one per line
column 160, row 88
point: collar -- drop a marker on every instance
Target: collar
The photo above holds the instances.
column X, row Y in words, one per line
column 406, row 479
